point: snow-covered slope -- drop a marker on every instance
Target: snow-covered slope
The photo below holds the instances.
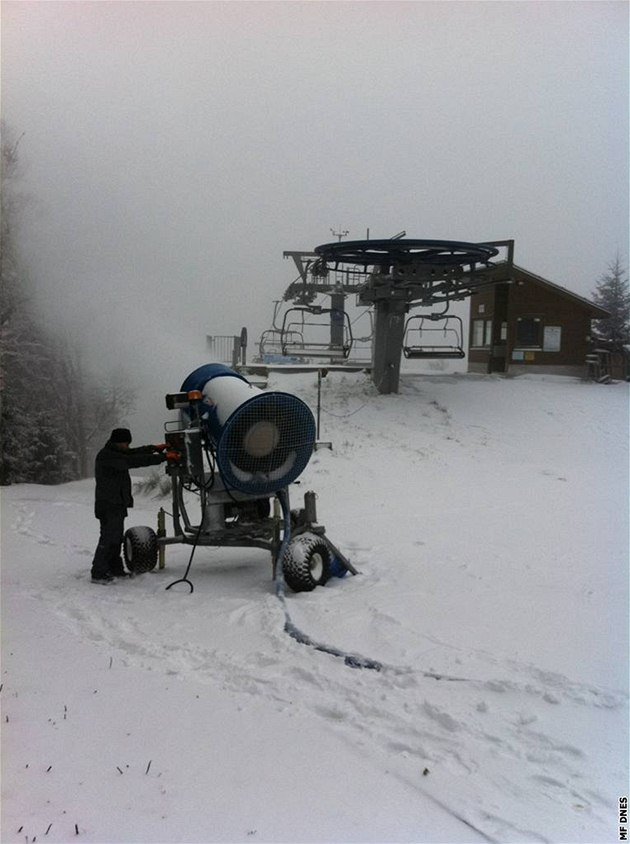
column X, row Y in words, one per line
column 489, row 520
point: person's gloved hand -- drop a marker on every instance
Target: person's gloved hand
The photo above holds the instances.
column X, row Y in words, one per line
column 172, row 456
column 160, row 447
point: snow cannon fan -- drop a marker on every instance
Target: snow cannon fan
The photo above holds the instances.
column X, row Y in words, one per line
column 262, row 440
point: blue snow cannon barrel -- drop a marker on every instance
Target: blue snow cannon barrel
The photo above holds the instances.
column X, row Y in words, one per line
column 262, row 440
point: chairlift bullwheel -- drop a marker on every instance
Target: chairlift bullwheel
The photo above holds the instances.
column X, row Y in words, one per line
column 306, row 562
column 446, row 253
column 140, row 548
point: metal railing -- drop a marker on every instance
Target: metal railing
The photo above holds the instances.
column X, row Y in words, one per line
column 228, row 348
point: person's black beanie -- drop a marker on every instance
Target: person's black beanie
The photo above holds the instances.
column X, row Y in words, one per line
column 120, row 435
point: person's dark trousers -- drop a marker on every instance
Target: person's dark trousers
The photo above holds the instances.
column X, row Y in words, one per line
column 107, row 559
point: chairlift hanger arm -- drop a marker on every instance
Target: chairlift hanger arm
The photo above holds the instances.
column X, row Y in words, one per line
column 435, row 315
column 314, row 310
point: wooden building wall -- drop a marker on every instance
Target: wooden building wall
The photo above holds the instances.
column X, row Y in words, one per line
column 561, row 317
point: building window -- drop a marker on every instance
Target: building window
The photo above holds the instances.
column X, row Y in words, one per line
column 528, row 332
column 482, row 333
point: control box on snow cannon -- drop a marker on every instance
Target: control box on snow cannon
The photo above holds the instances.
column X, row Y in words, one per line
column 262, row 440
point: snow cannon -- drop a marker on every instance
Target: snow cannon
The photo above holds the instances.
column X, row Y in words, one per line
column 262, row 441
column 232, row 450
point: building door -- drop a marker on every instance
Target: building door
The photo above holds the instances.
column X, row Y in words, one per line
column 498, row 353
column 498, row 358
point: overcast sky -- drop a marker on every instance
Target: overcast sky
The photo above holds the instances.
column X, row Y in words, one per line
column 173, row 150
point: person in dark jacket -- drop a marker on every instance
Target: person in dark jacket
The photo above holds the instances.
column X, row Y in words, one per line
column 113, row 498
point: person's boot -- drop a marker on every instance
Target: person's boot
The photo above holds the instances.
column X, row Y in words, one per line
column 104, row 579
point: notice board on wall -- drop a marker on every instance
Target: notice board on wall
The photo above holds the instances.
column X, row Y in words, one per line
column 552, row 338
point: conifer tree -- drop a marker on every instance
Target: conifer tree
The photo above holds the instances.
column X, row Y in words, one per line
column 613, row 294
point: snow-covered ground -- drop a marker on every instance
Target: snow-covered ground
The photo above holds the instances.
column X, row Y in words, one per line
column 489, row 520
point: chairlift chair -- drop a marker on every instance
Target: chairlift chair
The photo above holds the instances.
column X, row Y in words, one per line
column 425, row 342
column 271, row 342
column 300, row 321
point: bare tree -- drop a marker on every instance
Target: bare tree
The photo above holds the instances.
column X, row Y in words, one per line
column 89, row 405
column 54, row 413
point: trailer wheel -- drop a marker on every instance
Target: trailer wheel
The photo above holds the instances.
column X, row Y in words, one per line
column 306, row 562
column 140, row 548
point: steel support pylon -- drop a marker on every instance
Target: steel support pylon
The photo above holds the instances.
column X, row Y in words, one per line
column 389, row 328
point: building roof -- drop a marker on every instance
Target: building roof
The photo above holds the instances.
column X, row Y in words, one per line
column 520, row 274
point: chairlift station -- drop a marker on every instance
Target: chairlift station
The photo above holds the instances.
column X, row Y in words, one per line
column 392, row 277
column 236, row 449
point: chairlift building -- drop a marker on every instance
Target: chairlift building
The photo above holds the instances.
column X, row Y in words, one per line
column 530, row 324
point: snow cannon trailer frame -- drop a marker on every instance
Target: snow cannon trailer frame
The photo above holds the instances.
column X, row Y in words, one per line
column 237, row 507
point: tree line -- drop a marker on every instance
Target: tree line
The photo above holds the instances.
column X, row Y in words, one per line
column 54, row 413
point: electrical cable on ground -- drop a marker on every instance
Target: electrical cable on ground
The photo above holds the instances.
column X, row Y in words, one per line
column 351, row 660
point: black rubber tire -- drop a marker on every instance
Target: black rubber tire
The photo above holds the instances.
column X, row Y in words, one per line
column 306, row 562
column 140, row 548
